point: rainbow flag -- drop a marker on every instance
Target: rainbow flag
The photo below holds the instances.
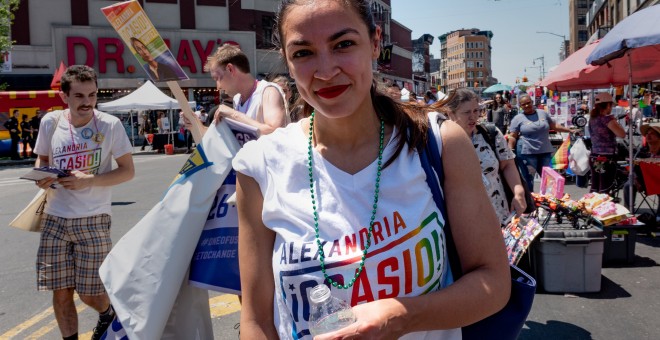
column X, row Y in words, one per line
column 560, row 159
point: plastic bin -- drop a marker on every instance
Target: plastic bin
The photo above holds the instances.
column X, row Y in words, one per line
column 620, row 243
column 169, row 149
column 567, row 260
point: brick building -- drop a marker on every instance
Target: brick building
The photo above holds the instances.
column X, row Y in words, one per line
column 465, row 60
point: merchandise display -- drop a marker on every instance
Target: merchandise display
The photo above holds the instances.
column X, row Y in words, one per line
column 518, row 236
column 591, row 209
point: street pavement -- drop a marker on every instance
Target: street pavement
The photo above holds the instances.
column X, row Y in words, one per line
column 627, row 306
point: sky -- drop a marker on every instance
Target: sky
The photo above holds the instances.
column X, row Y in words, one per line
column 514, row 23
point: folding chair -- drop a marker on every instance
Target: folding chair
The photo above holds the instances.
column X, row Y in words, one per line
column 651, row 187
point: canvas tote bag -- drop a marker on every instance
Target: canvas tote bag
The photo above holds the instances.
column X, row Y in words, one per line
column 29, row 219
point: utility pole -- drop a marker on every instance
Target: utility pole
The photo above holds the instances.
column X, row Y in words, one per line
column 563, row 43
column 542, row 59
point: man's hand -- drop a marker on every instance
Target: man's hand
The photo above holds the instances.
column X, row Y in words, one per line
column 77, row 180
column 221, row 112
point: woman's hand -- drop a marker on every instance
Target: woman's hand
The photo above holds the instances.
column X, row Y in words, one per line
column 380, row 319
column 518, row 202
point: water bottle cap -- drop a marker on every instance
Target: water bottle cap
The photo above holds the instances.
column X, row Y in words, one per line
column 319, row 293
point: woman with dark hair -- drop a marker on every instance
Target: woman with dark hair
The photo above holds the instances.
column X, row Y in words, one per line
column 155, row 70
column 430, row 98
column 603, row 129
column 340, row 198
column 499, row 114
column 462, row 107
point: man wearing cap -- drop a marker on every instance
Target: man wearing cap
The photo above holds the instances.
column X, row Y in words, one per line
column 603, row 129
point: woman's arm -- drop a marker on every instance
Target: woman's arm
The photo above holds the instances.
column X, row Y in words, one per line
column 513, row 137
column 512, row 176
column 485, row 286
column 616, row 128
column 255, row 250
column 560, row 128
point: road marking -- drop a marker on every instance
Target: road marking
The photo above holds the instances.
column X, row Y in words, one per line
column 27, row 324
column 6, row 182
column 223, row 305
column 39, row 334
column 220, row 305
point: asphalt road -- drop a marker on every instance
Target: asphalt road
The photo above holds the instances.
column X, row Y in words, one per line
column 26, row 313
column 627, row 307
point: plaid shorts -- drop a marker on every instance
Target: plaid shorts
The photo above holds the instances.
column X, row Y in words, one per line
column 71, row 251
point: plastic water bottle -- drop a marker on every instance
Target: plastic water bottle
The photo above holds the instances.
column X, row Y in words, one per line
column 328, row 312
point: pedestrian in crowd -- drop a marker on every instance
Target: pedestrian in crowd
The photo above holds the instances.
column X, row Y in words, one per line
column 11, row 125
column 26, row 136
column 412, row 98
column 34, row 123
column 429, row 98
column 462, row 107
column 317, row 187
column 645, row 102
column 603, row 129
column 157, row 71
column 260, row 104
column 145, row 130
column 75, row 229
column 292, row 109
column 533, row 129
column 163, row 123
column 499, row 113
column 394, row 91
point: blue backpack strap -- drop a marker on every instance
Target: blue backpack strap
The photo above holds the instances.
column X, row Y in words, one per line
column 432, row 164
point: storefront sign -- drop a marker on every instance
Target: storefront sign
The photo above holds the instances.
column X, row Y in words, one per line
column 104, row 50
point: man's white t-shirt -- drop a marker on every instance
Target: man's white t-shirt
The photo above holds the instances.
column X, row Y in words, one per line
column 75, row 149
column 407, row 256
column 252, row 106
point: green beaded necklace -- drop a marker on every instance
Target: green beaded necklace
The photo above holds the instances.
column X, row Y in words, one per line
column 316, row 214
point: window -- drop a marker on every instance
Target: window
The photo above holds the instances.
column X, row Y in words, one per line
column 470, row 64
column 583, row 35
column 267, row 24
column 582, row 20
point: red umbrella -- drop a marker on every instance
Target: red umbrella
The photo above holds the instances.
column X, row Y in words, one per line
column 571, row 74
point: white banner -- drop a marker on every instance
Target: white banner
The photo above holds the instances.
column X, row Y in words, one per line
column 146, row 272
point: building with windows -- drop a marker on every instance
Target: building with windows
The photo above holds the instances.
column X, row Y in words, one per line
column 47, row 32
column 604, row 14
column 577, row 17
column 465, row 60
column 395, row 62
column 421, row 63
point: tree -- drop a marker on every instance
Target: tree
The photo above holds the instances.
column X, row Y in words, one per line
column 7, row 9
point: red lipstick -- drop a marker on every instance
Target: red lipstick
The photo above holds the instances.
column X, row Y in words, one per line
column 332, row 91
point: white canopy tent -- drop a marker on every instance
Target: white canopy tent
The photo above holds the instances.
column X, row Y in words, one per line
column 146, row 97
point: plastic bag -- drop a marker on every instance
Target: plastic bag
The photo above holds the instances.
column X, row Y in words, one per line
column 578, row 159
